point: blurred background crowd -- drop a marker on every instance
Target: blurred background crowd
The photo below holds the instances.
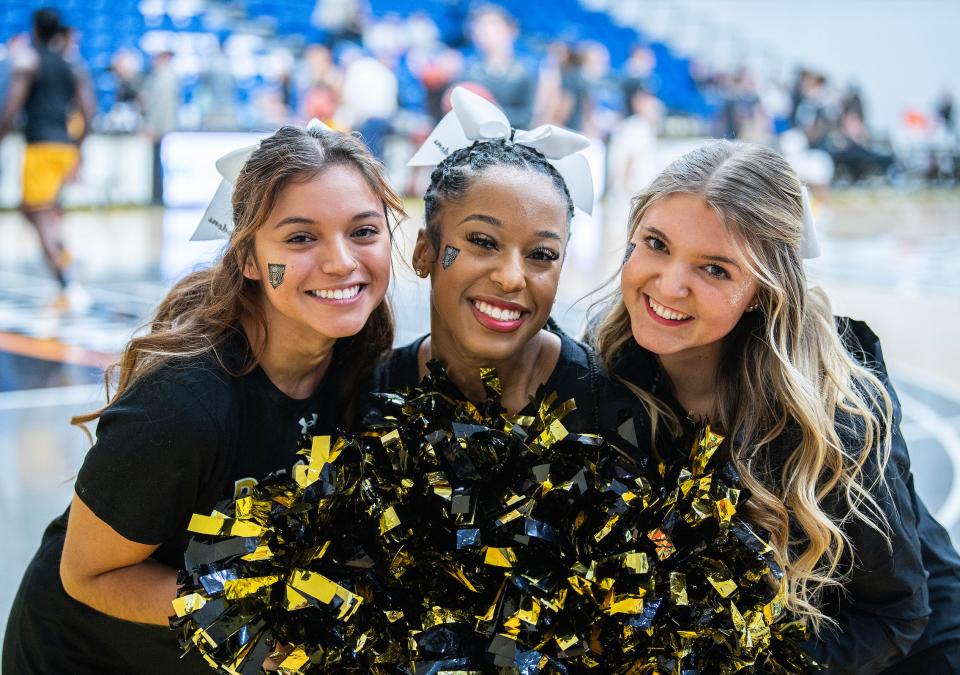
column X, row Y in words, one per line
column 385, row 67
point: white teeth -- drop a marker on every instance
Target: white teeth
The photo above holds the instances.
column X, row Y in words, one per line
column 337, row 293
column 496, row 312
column 660, row 310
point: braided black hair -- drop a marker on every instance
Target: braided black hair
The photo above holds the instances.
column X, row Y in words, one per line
column 454, row 175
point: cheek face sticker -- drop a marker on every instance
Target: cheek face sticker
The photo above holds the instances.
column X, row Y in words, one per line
column 276, row 271
column 628, row 252
column 450, row 254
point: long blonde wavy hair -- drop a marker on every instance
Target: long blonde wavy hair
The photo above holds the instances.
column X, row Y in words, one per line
column 804, row 416
column 205, row 309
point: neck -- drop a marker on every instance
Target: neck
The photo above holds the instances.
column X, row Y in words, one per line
column 296, row 365
column 693, row 378
column 520, row 374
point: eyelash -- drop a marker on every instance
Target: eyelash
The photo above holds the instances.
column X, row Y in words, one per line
column 540, row 254
column 370, row 229
column 365, row 232
column 717, row 273
column 544, row 254
column 482, row 241
column 652, row 241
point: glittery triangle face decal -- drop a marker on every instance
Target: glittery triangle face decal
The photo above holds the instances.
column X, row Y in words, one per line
column 450, row 254
column 276, row 273
column 628, row 252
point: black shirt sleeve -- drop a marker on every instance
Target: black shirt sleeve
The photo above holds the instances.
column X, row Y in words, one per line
column 939, row 646
column 154, row 451
column 399, row 370
column 885, row 606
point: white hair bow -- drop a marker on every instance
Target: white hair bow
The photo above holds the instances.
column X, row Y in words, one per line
column 217, row 221
column 809, row 245
column 474, row 118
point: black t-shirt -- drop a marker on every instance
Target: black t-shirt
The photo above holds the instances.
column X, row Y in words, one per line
column 177, row 443
column 51, row 93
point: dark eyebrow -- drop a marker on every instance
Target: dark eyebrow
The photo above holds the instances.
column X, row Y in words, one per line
column 300, row 220
column 720, row 258
column 658, row 233
column 548, row 234
column 368, row 214
column 489, row 220
column 496, row 222
column 294, row 220
column 712, row 258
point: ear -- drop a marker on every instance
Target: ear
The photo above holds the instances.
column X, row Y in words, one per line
column 424, row 255
column 251, row 270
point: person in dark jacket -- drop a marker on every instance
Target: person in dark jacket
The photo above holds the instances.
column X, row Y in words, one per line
column 715, row 322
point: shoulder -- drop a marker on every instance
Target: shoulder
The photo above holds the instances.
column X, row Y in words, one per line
column 635, row 365
column 575, row 358
column 79, row 68
column 400, row 369
column 190, row 396
column 24, row 60
column 580, row 373
column 573, row 352
column 860, row 340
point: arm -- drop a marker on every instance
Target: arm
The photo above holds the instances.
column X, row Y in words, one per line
column 135, row 492
column 21, row 79
column 112, row 574
column 886, row 607
column 86, row 100
column 940, row 559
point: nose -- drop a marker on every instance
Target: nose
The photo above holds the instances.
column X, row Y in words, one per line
column 508, row 272
column 674, row 280
column 337, row 259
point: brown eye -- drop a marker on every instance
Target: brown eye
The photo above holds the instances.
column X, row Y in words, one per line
column 482, row 241
column 544, row 254
column 366, row 232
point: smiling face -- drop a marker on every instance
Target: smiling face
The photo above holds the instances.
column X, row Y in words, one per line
column 511, row 230
column 330, row 236
column 686, row 284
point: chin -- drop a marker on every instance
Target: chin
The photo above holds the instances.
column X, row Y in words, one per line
column 656, row 346
column 342, row 330
column 495, row 349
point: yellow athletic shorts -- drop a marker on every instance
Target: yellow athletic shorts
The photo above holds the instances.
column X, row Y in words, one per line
column 45, row 169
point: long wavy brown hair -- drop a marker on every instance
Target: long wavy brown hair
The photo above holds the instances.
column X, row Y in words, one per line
column 205, row 309
column 805, row 416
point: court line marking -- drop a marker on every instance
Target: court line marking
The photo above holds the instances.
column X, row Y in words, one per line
column 99, row 293
column 87, row 394
column 935, row 383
